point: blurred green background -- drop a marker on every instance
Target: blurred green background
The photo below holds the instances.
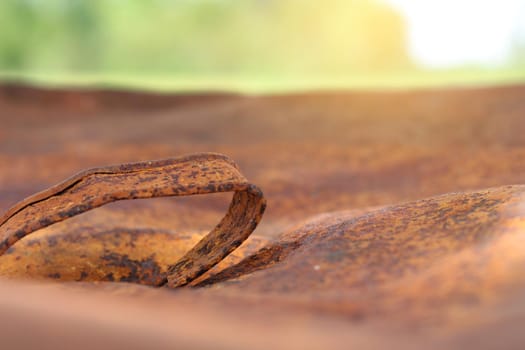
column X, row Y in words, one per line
column 252, row 45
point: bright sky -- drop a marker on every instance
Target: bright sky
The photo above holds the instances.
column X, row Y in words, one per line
column 447, row 33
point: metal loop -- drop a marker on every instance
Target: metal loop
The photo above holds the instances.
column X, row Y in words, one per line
column 201, row 173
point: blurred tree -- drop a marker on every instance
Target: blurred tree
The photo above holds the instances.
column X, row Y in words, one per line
column 85, row 37
column 18, row 23
column 203, row 37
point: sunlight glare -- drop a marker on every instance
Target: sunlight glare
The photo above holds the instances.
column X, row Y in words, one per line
column 448, row 33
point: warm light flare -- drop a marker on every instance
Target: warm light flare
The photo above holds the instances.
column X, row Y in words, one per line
column 448, row 33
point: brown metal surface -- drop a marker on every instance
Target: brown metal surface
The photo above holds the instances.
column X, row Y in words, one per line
column 394, row 220
column 190, row 175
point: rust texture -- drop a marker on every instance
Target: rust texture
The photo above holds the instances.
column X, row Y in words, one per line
column 190, row 175
column 395, row 220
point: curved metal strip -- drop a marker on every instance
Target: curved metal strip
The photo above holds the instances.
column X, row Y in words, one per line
column 195, row 174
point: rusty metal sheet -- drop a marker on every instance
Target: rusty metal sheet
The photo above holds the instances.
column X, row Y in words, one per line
column 394, row 219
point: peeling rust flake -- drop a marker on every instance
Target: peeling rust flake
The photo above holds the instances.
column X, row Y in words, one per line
column 189, row 175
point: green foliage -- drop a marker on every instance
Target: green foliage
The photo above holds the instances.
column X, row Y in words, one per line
column 199, row 36
column 203, row 40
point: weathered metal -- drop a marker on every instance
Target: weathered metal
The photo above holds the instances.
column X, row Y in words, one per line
column 395, row 220
column 190, row 175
